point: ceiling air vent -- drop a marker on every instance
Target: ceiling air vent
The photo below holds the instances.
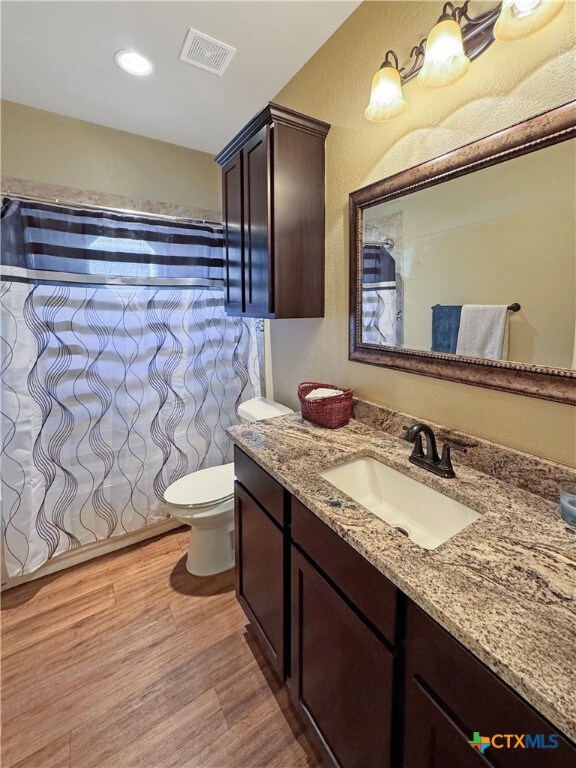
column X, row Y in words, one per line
column 206, row 52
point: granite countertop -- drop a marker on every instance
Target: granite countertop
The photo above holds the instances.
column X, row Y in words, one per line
column 505, row 587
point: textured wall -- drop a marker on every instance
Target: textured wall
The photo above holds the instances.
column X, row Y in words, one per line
column 48, row 148
column 507, row 84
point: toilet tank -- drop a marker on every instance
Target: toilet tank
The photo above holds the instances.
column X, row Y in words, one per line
column 259, row 408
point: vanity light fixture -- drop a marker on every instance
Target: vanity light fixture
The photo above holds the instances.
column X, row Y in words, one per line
column 457, row 38
column 134, row 63
column 386, row 98
column 444, row 59
column 520, row 18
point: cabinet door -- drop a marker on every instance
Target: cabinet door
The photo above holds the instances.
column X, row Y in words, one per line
column 451, row 695
column 432, row 739
column 258, row 258
column 233, row 234
column 341, row 673
column 260, row 575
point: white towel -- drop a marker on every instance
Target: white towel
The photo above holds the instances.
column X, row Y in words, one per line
column 483, row 331
column 321, row 392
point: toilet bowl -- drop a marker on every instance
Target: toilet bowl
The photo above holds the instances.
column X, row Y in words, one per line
column 204, row 500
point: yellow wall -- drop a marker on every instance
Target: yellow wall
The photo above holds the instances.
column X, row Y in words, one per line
column 52, row 149
column 507, row 84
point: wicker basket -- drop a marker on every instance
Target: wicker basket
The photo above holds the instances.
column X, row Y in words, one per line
column 330, row 412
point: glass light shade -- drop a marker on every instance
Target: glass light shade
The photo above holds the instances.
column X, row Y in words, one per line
column 444, row 59
column 520, row 18
column 386, row 98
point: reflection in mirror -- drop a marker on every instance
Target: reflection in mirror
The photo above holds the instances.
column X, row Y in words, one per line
column 442, row 265
column 381, row 294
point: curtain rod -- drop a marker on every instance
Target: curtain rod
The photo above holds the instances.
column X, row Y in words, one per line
column 86, row 206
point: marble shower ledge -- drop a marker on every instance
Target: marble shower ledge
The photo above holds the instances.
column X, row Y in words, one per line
column 504, row 587
column 76, row 196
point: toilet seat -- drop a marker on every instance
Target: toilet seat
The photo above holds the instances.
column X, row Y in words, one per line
column 201, row 489
column 208, row 515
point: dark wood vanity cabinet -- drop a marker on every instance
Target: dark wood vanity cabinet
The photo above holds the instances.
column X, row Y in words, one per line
column 450, row 695
column 343, row 667
column 273, row 212
column 259, row 512
column 377, row 681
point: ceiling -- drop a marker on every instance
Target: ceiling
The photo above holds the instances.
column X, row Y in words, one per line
column 59, row 56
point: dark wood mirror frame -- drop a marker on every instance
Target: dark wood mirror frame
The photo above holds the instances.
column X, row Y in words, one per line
column 558, row 384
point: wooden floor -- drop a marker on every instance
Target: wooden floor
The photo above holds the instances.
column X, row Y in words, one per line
column 128, row 660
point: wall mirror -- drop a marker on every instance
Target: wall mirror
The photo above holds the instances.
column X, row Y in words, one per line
column 464, row 267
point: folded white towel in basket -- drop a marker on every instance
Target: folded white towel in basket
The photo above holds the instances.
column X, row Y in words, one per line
column 321, row 392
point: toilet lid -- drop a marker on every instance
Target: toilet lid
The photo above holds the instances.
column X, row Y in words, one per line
column 207, row 486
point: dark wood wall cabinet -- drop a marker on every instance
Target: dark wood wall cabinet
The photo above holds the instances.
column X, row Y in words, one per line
column 273, row 212
column 378, row 683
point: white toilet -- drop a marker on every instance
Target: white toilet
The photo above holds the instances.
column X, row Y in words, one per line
column 204, row 500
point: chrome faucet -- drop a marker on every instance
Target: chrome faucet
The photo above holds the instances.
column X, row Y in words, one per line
column 430, row 460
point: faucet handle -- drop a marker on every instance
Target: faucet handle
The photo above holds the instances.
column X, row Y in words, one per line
column 456, row 446
column 446, row 461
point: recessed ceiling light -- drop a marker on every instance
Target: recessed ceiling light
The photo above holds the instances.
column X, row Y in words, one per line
column 133, row 62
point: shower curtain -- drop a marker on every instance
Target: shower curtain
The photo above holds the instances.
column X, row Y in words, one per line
column 381, row 296
column 120, row 372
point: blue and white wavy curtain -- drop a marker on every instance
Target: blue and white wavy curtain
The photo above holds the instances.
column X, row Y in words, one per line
column 120, row 372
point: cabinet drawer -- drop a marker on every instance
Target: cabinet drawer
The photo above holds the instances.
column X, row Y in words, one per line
column 366, row 587
column 474, row 698
column 267, row 492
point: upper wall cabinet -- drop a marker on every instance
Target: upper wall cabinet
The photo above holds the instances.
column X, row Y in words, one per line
column 273, row 209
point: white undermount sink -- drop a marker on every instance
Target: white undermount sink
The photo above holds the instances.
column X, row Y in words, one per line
column 425, row 515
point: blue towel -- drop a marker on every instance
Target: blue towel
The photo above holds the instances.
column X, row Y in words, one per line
column 445, row 326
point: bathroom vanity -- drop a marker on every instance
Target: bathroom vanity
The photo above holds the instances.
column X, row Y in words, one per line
column 395, row 655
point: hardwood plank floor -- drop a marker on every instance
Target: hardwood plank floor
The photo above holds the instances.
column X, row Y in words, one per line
column 128, row 661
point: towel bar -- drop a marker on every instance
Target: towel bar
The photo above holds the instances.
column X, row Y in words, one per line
column 511, row 307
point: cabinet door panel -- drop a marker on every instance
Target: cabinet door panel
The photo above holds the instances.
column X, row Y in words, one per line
column 480, row 701
column 341, row 673
column 432, row 739
column 258, row 259
column 233, row 233
column 260, row 575
column 298, row 223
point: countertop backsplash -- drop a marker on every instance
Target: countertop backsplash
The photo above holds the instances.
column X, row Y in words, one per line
column 523, row 470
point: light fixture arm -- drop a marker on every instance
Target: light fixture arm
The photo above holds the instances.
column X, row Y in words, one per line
column 390, row 54
column 457, row 12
